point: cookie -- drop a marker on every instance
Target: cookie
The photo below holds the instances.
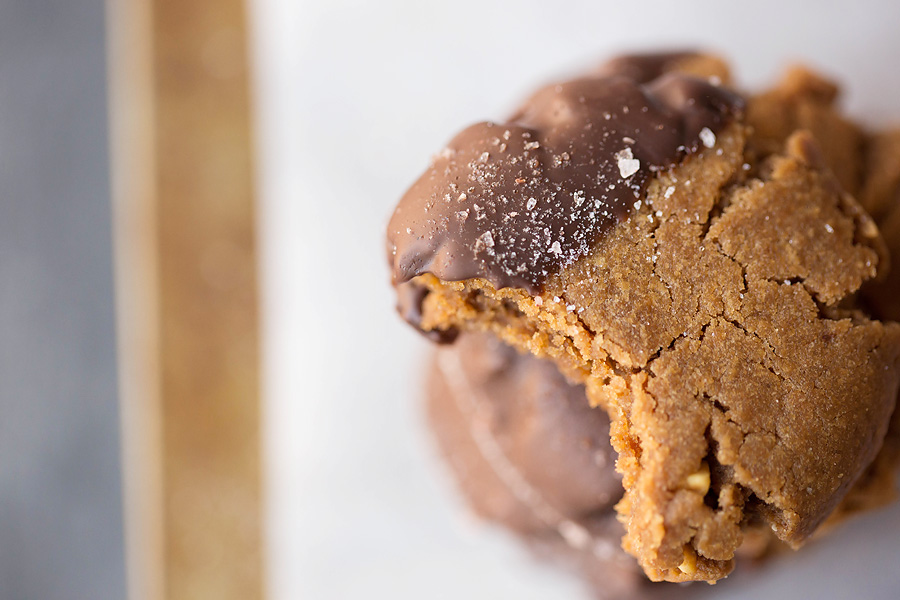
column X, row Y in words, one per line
column 701, row 288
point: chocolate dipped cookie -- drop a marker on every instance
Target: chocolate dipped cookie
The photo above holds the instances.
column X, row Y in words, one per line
column 698, row 278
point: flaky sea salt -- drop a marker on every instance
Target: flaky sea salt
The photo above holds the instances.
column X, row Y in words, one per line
column 707, row 137
column 445, row 153
column 555, row 248
column 628, row 164
column 532, row 202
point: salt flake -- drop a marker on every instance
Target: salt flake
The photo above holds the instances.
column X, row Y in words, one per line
column 707, row 137
column 628, row 164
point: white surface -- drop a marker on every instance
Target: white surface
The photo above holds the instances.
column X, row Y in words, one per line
column 353, row 97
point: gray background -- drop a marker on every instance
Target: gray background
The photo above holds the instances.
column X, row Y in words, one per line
column 60, row 507
column 354, row 97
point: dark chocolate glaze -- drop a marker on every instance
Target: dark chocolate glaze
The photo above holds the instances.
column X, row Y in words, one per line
column 543, row 425
column 644, row 67
column 410, row 296
column 513, row 203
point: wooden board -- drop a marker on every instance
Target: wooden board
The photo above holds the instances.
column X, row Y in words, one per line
column 187, row 281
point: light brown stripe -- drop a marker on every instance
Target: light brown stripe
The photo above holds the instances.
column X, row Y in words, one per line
column 205, row 362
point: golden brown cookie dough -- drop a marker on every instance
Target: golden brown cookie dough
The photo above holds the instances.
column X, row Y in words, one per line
column 880, row 194
column 717, row 326
column 804, row 100
column 868, row 166
column 881, row 197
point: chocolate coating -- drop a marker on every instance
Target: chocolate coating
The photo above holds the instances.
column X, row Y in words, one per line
column 410, row 296
column 644, row 67
column 544, row 441
column 513, row 203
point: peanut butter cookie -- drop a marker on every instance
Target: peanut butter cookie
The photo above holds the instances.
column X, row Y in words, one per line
column 698, row 280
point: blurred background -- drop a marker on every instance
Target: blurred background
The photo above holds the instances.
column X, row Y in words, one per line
column 204, row 389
